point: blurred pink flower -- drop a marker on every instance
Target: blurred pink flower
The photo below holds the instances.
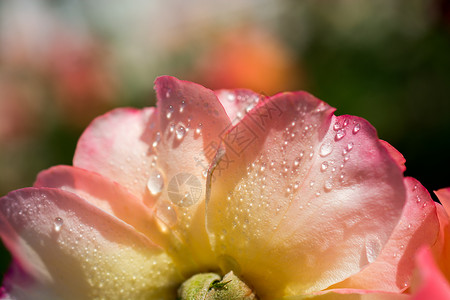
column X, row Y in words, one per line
column 291, row 198
column 248, row 57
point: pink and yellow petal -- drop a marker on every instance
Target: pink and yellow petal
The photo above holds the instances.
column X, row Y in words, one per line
column 191, row 121
column 80, row 251
column 118, row 145
column 433, row 285
column 107, row 195
column 301, row 199
column 349, row 294
column 393, row 268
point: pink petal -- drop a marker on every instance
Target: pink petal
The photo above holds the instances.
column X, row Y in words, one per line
column 118, row 145
column 349, row 294
column 79, row 251
column 444, row 198
column 191, row 121
column 434, row 285
column 395, row 154
column 17, row 284
column 238, row 103
column 302, row 199
column 418, row 226
column 104, row 194
column 442, row 248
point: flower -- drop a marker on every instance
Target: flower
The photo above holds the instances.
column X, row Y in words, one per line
column 291, row 198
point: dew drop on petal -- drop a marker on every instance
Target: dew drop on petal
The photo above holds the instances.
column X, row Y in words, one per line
column 157, row 139
column 324, row 166
column 340, row 134
column 166, row 213
column 182, row 106
column 325, row 149
column 297, row 161
column 58, row 223
column 155, row 182
column 349, row 146
column 199, row 128
column 336, row 126
column 169, row 112
column 345, row 123
column 356, row 128
column 181, row 131
column 263, row 167
column 328, row 186
column 373, row 248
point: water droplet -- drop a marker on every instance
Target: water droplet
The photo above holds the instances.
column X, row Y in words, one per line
column 328, row 186
column 325, row 149
column 58, row 223
column 345, row 123
column 349, row 147
column 231, row 97
column 324, row 166
column 297, row 161
column 169, row 112
column 181, row 131
column 263, row 167
column 172, row 127
column 336, row 126
column 356, row 128
column 415, row 187
column 311, row 184
column 199, row 128
column 168, row 93
column 373, row 248
column 157, row 139
column 166, row 213
column 182, row 106
column 155, row 183
column 340, row 134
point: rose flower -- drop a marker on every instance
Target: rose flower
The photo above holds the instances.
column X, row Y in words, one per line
column 219, row 195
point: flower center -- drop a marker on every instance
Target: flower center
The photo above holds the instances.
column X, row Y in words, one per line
column 209, row 286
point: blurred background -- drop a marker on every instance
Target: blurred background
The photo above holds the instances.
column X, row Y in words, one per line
column 63, row 62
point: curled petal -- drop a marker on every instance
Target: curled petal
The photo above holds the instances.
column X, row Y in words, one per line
column 444, row 198
column 238, row 103
column 395, row 154
column 301, row 199
column 80, row 252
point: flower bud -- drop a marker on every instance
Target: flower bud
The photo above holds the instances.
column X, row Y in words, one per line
column 209, row 286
